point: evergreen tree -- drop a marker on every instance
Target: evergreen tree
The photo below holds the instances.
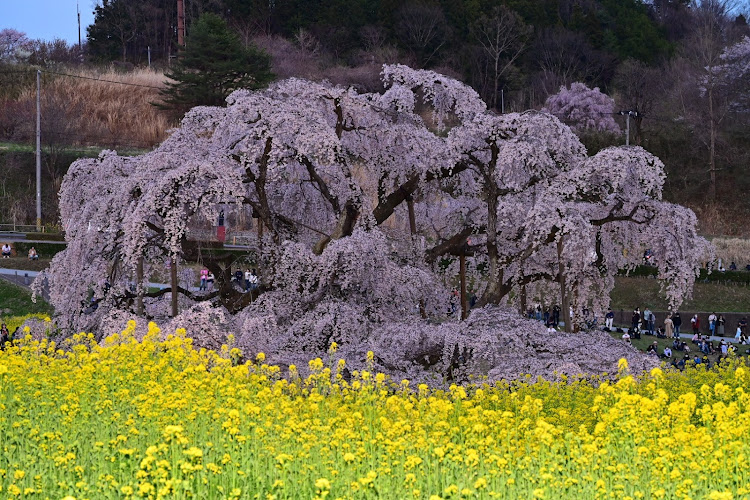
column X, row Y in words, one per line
column 213, row 64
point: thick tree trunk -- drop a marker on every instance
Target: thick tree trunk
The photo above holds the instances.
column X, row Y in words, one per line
column 462, row 277
column 493, row 293
column 412, row 216
column 712, row 147
column 413, row 230
column 140, row 289
column 345, row 227
column 174, row 285
column 564, row 295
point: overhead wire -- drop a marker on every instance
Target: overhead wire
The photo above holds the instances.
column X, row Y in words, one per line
column 87, row 137
column 101, row 80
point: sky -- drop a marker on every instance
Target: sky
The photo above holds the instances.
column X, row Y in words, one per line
column 47, row 19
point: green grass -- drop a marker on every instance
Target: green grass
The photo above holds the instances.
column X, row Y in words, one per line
column 646, row 340
column 14, row 147
column 16, row 301
column 710, row 296
column 81, row 151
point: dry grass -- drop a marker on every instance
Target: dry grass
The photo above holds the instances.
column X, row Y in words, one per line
column 88, row 108
column 727, row 219
column 732, row 250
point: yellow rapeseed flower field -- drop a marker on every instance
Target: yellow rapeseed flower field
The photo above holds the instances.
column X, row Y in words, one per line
column 159, row 419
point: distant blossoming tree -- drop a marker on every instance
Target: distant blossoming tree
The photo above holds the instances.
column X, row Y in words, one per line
column 734, row 74
column 12, row 43
column 364, row 199
column 583, row 109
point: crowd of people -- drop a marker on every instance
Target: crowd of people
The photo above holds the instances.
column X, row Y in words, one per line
column 247, row 280
column 645, row 322
column 703, row 345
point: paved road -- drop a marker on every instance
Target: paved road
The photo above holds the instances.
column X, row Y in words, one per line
column 18, row 276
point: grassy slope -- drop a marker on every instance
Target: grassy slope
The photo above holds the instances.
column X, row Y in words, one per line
column 706, row 296
column 16, row 301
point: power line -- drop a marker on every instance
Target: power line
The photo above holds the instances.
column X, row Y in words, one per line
column 101, row 80
column 70, row 75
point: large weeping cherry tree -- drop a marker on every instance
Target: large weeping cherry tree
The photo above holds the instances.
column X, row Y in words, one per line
column 364, row 201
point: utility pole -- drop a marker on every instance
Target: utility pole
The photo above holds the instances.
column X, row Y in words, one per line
column 149, row 57
column 78, row 10
column 180, row 24
column 38, row 150
column 628, row 114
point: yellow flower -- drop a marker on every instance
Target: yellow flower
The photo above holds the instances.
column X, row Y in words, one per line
column 720, row 495
column 622, row 365
column 323, row 484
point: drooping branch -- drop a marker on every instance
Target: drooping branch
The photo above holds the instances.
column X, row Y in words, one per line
column 390, row 202
column 321, row 185
column 263, row 208
column 451, row 245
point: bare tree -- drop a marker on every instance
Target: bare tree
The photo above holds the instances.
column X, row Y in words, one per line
column 502, row 36
column 637, row 89
column 565, row 57
column 700, row 95
column 422, row 28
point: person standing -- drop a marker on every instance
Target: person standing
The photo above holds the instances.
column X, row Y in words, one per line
column 246, row 286
column 648, row 323
column 204, row 277
column 668, row 326
column 677, row 321
column 609, row 318
column 695, row 321
column 253, row 280
column 712, row 323
column 210, row 281
column 636, row 319
column 555, row 315
column 720, row 325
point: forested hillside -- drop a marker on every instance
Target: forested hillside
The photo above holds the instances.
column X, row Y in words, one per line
column 665, row 61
